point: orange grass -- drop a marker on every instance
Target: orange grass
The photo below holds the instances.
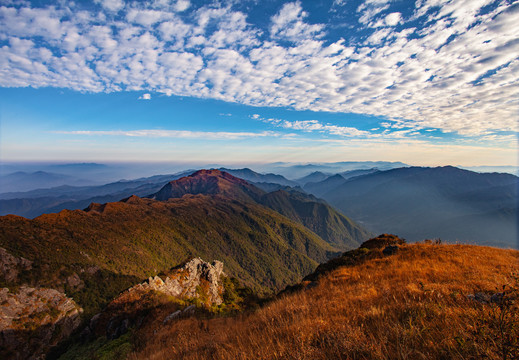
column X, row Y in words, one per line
column 411, row 305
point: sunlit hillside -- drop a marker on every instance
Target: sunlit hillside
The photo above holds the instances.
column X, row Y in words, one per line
column 426, row 301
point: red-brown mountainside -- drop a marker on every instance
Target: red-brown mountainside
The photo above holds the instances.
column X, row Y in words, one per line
column 315, row 214
column 209, row 182
column 421, row 301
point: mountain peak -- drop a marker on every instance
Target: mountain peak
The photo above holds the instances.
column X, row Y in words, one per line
column 208, row 172
column 209, row 182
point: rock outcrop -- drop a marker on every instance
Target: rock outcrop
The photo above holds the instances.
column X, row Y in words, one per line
column 11, row 266
column 34, row 320
column 195, row 279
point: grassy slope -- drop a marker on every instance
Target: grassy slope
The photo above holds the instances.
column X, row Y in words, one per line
column 140, row 237
column 325, row 221
column 411, row 305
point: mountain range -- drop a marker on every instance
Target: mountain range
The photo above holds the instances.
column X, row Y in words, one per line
column 75, row 269
column 418, row 203
column 267, row 240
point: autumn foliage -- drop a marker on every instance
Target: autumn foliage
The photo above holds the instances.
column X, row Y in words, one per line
column 410, row 305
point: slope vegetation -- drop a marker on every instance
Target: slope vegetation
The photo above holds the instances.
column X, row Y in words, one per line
column 305, row 209
column 138, row 237
column 425, row 301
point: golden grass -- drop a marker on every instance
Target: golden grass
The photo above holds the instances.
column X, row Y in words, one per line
column 411, row 305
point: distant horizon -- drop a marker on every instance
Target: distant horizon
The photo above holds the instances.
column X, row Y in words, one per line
column 114, row 171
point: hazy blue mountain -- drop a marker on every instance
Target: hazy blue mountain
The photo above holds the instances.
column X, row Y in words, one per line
column 300, row 170
column 43, row 201
column 270, row 187
column 443, row 202
column 316, row 176
column 23, row 181
column 322, row 187
column 499, row 169
column 252, row 176
column 353, row 173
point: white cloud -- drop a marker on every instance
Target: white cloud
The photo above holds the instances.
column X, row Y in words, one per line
column 458, row 73
column 179, row 134
column 182, row 5
column 289, row 24
column 314, row 125
column 370, row 9
column 145, row 97
column 111, row 5
column 393, row 19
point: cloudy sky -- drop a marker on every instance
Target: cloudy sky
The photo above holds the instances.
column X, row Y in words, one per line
column 427, row 82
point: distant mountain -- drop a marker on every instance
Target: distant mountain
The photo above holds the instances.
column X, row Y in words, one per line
column 43, row 201
column 353, row 173
column 269, row 187
column 322, row 187
column 318, row 216
column 316, row 176
column 23, row 181
column 498, row 169
column 252, row 176
column 443, row 202
column 301, row 170
column 209, row 182
column 333, row 181
column 305, row 209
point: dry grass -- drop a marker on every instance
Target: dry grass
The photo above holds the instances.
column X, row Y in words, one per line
column 411, row 305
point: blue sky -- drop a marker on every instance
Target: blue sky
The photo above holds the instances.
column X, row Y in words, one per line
column 426, row 82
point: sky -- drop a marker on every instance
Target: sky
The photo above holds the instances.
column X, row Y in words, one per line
column 425, row 82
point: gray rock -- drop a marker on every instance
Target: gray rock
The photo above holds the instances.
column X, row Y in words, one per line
column 172, row 316
column 480, row 297
column 185, row 281
column 497, row 298
column 188, row 311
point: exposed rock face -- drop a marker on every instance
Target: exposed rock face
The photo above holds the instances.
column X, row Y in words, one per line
column 33, row 320
column 194, row 279
column 189, row 281
column 11, row 266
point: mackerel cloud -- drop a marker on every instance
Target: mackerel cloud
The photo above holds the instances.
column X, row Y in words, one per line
column 458, row 72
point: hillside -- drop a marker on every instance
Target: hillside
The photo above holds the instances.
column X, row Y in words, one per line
column 305, row 209
column 445, row 202
column 136, row 238
column 318, row 216
column 424, row 302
